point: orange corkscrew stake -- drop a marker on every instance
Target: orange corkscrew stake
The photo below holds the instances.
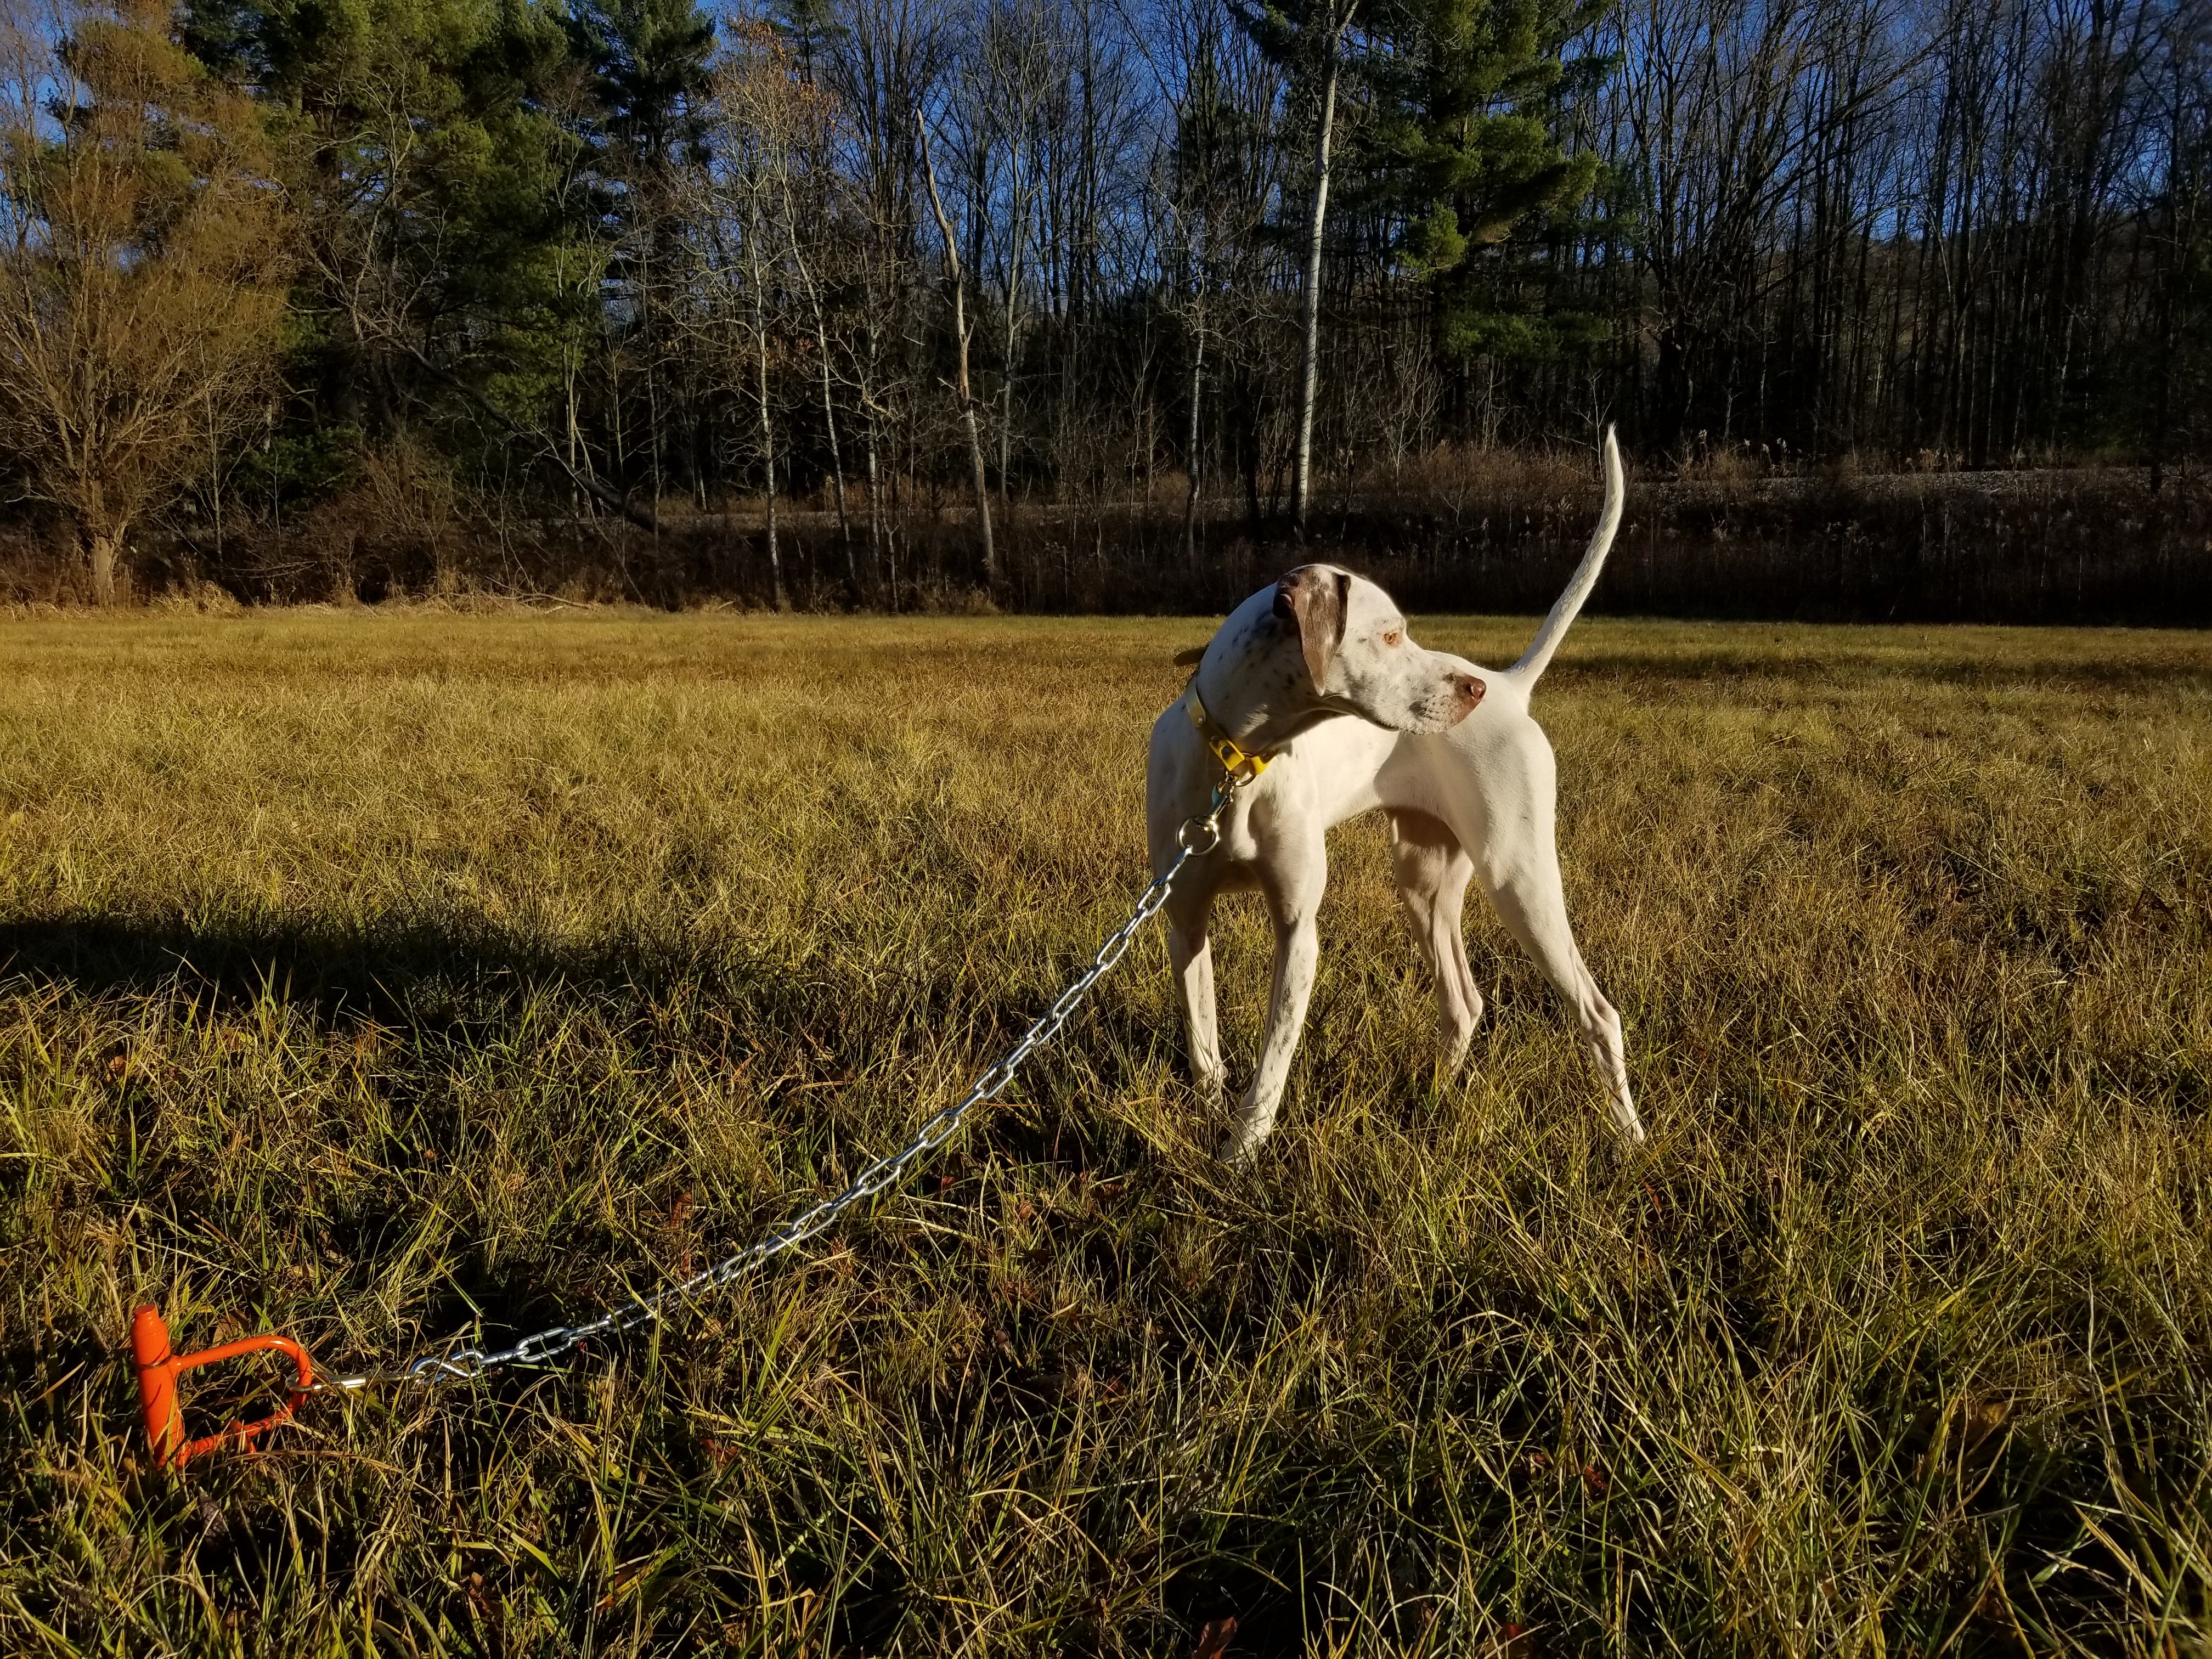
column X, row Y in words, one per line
column 158, row 1366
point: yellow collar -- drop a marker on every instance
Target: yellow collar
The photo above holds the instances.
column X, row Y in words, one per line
column 1234, row 758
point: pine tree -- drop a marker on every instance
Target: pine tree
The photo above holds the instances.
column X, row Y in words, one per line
column 453, row 267
column 1460, row 153
column 649, row 61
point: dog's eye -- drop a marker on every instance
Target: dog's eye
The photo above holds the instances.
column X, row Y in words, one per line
column 1391, row 638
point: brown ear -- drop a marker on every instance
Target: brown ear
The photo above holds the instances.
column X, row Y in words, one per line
column 1315, row 597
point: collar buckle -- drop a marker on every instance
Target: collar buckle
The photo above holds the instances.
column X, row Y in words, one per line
column 1241, row 764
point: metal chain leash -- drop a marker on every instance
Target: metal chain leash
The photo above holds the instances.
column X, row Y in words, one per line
column 1196, row 837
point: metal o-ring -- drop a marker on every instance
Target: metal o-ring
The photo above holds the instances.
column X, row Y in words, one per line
column 1186, row 841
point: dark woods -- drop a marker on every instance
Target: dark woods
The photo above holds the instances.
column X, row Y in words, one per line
column 1905, row 306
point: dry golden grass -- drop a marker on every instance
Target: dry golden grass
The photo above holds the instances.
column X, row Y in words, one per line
column 368, row 976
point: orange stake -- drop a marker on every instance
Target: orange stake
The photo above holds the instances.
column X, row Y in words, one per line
column 157, row 1387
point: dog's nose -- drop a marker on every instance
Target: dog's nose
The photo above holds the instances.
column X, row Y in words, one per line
column 1470, row 689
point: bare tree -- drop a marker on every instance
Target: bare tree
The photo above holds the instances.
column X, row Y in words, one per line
column 998, row 111
column 960, row 333
column 742, row 207
column 815, row 212
column 1328, row 28
column 142, row 284
column 883, row 69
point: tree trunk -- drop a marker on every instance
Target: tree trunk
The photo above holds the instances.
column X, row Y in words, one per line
column 960, row 336
column 1007, row 406
column 974, row 445
column 828, row 406
column 837, row 467
column 1310, row 381
column 768, row 454
column 878, row 562
column 1007, row 354
column 105, row 546
column 1194, row 465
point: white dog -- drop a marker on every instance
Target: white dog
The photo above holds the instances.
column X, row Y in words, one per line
column 1314, row 682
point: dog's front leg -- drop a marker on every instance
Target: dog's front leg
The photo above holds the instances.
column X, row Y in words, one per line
column 1191, row 955
column 1294, row 885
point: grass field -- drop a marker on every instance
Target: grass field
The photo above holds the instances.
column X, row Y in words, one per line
column 388, row 978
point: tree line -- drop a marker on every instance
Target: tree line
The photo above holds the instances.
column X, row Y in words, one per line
column 833, row 271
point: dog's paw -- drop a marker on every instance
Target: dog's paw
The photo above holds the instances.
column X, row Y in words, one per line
column 1628, row 1141
column 1240, row 1147
column 1453, row 1045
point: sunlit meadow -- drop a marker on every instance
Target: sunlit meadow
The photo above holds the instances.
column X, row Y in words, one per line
column 390, row 979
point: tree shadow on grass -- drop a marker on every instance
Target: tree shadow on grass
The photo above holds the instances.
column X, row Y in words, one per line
column 424, row 1001
column 433, row 998
column 394, row 970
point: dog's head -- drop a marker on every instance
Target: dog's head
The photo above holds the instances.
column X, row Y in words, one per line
column 1358, row 658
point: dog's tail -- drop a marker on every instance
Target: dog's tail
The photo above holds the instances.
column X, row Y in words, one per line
column 1538, row 657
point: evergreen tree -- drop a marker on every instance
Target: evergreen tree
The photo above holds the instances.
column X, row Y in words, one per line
column 430, row 149
column 649, row 61
column 1461, row 153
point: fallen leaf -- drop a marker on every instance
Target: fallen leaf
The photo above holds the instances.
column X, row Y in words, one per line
column 1983, row 1419
column 1214, row 1638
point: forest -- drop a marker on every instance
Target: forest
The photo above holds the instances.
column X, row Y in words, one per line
column 1079, row 303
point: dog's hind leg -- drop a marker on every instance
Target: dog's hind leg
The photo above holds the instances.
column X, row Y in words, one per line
column 1433, row 870
column 1527, row 893
column 1190, row 957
